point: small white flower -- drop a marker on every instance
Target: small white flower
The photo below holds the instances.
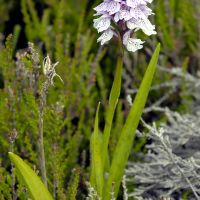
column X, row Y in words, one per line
column 134, row 44
column 124, row 14
column 141, row 23
column 129, row 99
column 102, row 23
column 101, row 7
column 106, row 36
column 113, row 7
column 49, row 69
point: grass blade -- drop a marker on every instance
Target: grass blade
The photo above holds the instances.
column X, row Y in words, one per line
column 34, row 184
column 97, row 180
column 124, row 144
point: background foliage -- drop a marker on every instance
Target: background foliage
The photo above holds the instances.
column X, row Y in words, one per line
column 63, row 30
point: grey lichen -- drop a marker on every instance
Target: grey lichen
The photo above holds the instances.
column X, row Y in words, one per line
column 171, row 166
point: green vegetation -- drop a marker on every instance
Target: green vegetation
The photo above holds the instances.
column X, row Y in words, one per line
column 80, row 147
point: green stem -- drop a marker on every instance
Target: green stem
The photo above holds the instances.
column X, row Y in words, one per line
column 125, row 141
column 113, row 99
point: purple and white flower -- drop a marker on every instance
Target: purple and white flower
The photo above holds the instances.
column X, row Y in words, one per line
column 129, row 16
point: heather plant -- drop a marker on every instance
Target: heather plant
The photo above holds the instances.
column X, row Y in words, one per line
column 59, row 116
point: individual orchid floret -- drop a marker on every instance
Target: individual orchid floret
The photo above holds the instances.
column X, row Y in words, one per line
column 129, row 16
column 106, row 36
column 132, row 44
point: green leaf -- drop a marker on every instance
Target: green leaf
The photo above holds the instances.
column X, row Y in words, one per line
column 113, row 99
column 34, row 184
column 124, row 145
column 97, row 170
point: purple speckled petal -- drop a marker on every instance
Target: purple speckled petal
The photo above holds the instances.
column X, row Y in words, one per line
column 106, row 36
column 102, row 23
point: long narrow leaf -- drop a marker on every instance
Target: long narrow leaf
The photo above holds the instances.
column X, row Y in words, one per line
column 125, row 142
column 34, row 184
column 113, row 99
column 97, row 170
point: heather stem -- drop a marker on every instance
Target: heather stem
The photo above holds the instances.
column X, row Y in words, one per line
column 12, row 137
column 50, row 73
column 14, row 195
column 41, row 140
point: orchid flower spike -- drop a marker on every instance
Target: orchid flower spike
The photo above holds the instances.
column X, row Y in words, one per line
column 129, row 16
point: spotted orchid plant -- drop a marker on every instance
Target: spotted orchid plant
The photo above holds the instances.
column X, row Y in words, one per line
column 120, row 19
column 123, row 18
